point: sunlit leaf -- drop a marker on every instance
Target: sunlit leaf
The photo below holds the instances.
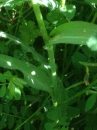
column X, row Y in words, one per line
column 48, row 3
column 17, row 93
column 11, row 3
column 56, row 17
column 8, row 95
column 76, row 32
column 33, row 75
column 68, row 11
column 27, row 48
column 18, row 82
column 11, row 88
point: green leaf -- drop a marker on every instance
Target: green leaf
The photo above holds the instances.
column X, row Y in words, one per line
column 17, row 93
column 8, row 75
column 1, row 106
column 6, row 108
column 10, row 121
column 18, row 54
column 87, row 51
column 3, row 48
column 33, row 75
column 19, row 122
column 55, row 114
column 91, row 1
column 90, row 120
column 11, row 88
column 76, row 58
column 23, row 111
column 18, row 85
column 3, row 122
column 8, row 95
column 72, row 112
column 50, row 126
column 2, row 78
column 27, row 126
column 21, row 81
column 27, row 34
column 25, row 47
column 18, row 82
column 11, row 4
column 90, row 102
column 88, row 128
column 76, row 32
column 2, row 91
column 14, row 89
column 64, row 128
column 48, row 3
column 56, row 17
column 14, row 110
column 64, row 121
column 69, row 11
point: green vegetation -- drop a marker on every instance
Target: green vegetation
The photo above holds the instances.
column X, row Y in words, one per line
column 48, row 65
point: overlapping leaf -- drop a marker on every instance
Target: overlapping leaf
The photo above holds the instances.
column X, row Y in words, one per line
column 76, row 32
column 33, row 75
column 27, row 48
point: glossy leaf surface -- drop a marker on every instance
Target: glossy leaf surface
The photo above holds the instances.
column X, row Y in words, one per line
column 76, row 32
column 33, row 75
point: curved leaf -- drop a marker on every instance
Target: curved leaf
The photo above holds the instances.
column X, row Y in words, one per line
column 2, row 91
column 33, row 75
column 76, row 32
column 90, row 102
column 27, row 48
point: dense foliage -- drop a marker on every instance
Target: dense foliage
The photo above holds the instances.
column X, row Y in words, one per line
column 48, row 69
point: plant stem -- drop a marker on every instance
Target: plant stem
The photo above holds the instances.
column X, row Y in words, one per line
column 94, row 18
column 46, row 40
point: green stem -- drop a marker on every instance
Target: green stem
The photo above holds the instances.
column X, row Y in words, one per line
column 94, row 18
column 19, row 126
column 46, row 40
column 75, row 85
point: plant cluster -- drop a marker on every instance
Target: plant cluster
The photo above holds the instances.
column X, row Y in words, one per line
column 48, row 69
